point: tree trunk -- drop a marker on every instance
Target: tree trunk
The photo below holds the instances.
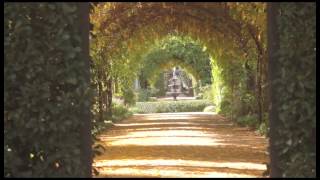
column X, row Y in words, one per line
column 109, row 97
column 116, row 86
column 232, row 97
column 106, row 94
column 259, row 97
column 100, row 96
column 255, row 36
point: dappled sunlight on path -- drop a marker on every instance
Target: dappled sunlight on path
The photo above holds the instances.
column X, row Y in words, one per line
column 181, row 145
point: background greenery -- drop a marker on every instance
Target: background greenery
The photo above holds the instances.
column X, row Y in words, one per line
column 171, row 106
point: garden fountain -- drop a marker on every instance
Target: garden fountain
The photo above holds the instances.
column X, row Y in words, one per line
column 174, row 85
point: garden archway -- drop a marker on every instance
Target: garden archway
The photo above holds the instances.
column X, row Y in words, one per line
column 46, row 90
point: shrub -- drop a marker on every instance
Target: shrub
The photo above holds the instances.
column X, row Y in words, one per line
column 152, row 99
column 225, row 107
column 263, row 129
column 171, row 106
column 135, row 110
column 129, row 97
column 153, row 92
column 119, row 112
column 248, row 120
column 206, row 92
column 160, row 86
column 209, row 109
column 143, row 95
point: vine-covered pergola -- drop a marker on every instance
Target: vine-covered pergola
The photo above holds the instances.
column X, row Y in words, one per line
column 47, row 64
column 224, row 28
column 184, row 52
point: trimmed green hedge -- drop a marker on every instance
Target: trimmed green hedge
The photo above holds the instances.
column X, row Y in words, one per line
column 171, row 106
column 296, row 90
column 45, row 89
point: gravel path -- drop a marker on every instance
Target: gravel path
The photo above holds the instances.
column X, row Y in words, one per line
column 181, row 145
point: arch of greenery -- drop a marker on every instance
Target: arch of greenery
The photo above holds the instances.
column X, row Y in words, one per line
column 123, row 32
column 240, row 29
column 46, row 91
column 130, row 28
column 176, row 50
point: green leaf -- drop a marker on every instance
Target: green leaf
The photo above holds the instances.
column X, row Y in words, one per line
column 69, row 8
column 77, row 49
column 65, row 36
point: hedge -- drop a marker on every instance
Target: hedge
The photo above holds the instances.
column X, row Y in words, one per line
column 45, row 89
column 296, row 90
column 171, row 106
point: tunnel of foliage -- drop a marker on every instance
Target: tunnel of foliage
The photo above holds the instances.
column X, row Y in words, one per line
column 45, row 87
column 234, row 36
column 220, row 36
column 220, row 44
column 177, row 50
column 173, row 50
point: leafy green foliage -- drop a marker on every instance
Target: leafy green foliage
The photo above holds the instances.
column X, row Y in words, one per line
column 129, row 96
column 209, row 109
column 171, row 106
column 263, row 129
column 232, row 33
column 159, row 85
column 175, row 50
column 119, row 112
column 248, row 120
column 205, row 92
column 44, row 90
column 143, row 95
column 232, row 89
column 296, row 90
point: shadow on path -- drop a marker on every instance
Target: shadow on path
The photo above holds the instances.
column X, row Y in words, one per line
column 181, row 145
